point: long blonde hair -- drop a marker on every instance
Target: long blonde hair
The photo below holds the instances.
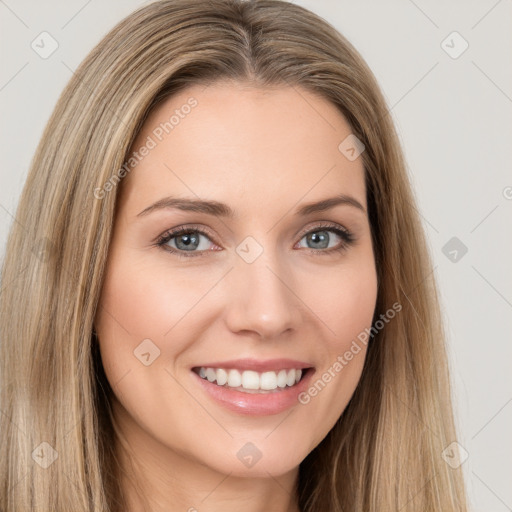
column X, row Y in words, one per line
column 384, row 453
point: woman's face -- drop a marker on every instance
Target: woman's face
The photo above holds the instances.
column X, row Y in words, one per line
column 262, row 282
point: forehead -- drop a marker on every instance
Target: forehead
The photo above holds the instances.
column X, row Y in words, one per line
column 247, row 146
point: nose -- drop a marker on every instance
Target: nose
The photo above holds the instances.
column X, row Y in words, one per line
column 262, row 299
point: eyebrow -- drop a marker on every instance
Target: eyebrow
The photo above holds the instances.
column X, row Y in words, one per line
column 218, row 209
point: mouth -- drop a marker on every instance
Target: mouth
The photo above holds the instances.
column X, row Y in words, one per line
column 252, row 381
column 254, row 387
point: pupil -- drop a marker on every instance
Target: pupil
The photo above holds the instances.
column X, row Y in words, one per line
column 187, row 241
column 319, row 237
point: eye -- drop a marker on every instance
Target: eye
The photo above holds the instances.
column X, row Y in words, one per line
column 184, row 240
column 319, row 238
column 187, row 241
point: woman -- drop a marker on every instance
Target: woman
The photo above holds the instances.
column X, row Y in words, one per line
column 218, row 292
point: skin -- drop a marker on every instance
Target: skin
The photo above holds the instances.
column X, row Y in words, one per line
column 264, row 152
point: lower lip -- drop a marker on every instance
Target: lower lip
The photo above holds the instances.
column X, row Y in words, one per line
column 256, row 404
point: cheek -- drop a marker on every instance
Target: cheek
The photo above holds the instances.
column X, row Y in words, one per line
column 142, row 301
column 346, row 311
column 140, row 304
column 344, row 300
column 148, row 307
column 131, row 312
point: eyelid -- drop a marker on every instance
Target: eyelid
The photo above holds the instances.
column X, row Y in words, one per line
column 319, row 224
column 184, row 229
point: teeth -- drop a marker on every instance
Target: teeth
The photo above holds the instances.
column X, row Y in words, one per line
column 282, row 378
column 234, row 379
column 222, row 377
column 268, row 380
column 251, row 380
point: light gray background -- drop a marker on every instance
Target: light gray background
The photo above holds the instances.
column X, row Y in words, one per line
column 454, row 119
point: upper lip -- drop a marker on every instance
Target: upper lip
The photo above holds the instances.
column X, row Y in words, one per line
column 258, row 365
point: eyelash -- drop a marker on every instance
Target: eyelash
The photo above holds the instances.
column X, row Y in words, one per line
column 347, row 239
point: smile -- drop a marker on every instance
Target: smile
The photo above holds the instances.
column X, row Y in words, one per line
column 250, row 381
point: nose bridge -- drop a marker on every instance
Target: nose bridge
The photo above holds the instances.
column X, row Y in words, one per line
column 260, row 297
